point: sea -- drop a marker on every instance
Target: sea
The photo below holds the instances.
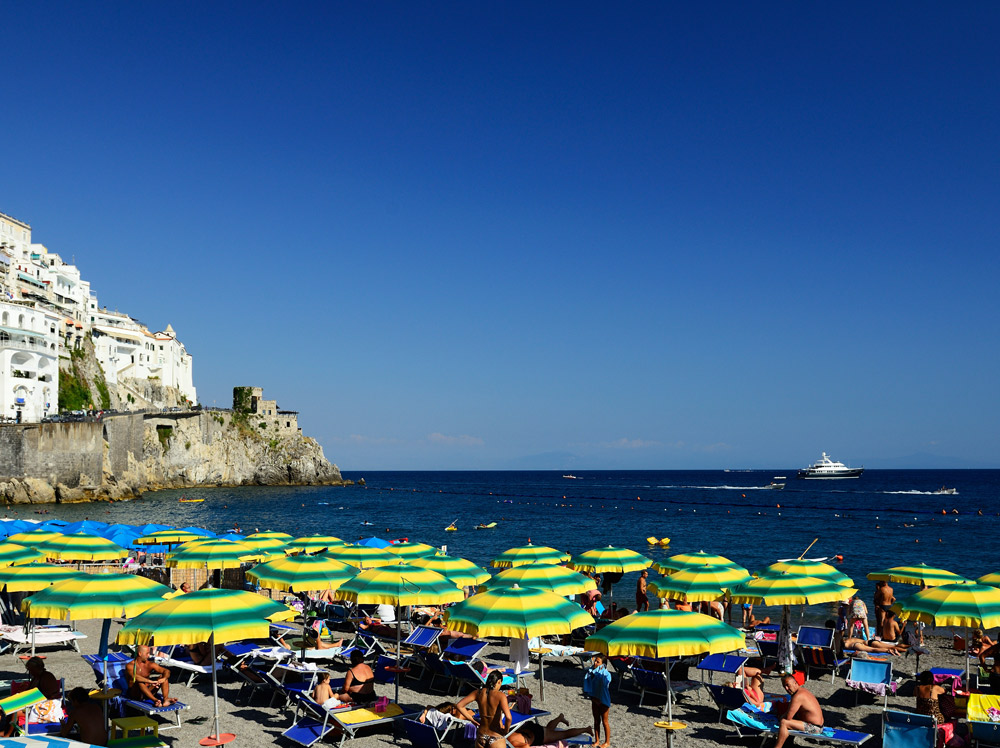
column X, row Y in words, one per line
column 884, row 518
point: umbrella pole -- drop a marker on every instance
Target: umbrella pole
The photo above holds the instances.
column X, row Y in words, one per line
column 670, row 709
column 216, row 738
column 399, row 667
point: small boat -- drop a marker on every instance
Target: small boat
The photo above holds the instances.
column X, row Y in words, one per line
column 490, row 526
column 948, row 491
column 190, row 501
column 368, row 523
column 572, row 477
column 451, row 528
column 778, row 482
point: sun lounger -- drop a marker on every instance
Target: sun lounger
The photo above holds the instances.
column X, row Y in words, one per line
column 726, row 698
column 311, row 722
column 872, row 676
column 184, row 663
column 750, row 721
column 729, row 664
column 471, row 673
column 982, row 729
column 650, row 681
column 423, row 735
column 357, row 720
column 59, row 636
column 464, row 649
column 367, row 644
column 145, row 705
column 908, row 730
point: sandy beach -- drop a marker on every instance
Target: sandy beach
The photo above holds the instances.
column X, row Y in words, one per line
column 631, row 725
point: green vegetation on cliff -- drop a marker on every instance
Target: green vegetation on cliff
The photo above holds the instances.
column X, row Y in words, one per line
column 73, row 391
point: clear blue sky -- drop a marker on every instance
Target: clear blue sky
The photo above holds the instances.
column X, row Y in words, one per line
column 553, row 235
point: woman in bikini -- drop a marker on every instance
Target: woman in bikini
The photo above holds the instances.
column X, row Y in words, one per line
column 359, row 685
column 494, row 712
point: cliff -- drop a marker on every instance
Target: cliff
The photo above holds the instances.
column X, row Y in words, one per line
column 124, row 455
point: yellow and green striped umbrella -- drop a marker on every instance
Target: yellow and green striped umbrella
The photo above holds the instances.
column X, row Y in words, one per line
column 790, row 589
column 458, row 570
column 302, row 574
column 699, row 585
column 958, row 604
column 32, row 537
column 314, row 543
column 528, row 554
column 361, row 556
column 618, row 560
column 806, row 568
column 918, row 574
column 12, row 554
column 691, row 560
column 518, row 612
column 229, row 615
column 169, row 537
column 548, row 577
column 666, row 633
column 80, row 546
column 34, row 576
column 410, row 550
column 212, row 554
column 267, row 541
column 400, row 584
column 23, row 700
column 95, row 596
column 992, row 579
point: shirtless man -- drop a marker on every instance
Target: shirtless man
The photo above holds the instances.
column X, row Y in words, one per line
column 86, row 715
column 804, row 713
column 641, row 598
column 890, row 629
column 884, row 598
column 494, row 712
column 140, row 683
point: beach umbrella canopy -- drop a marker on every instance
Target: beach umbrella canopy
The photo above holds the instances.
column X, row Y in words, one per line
column 212, row 554
column 95, row 596
column 918, row 574
column 702, row 584
column 232, row 536
column 123, row 539
column 807, row 568
column 118, row 526
column 18, row 525
column 374, row 542
column 619, row 560
column 410, row 550
column 691, row 560
column 361, row 556
column 14, row 553
column 199, row 531
column 152, row 527
column 167, row 537
column 34, row 576
column 992, row 579
column 267, row 541
column 519, row 612
column 314, row 543
column 458, row 570
column 959, row 604
column 302, row 574
column 32, row 538
column 666, row 633
column 81, row 546
column 211, row 615
column 529, row 554
column 42, row 741
column 548, row 577
column 86, row 525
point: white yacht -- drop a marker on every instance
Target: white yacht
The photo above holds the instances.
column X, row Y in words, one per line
column 824, row 467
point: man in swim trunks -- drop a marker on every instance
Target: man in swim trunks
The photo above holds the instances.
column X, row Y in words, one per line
column 641, row 598
column 141, row 681
column 884, row 598
column 804, row 713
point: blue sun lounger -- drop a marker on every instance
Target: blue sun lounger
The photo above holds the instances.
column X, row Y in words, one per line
column 750, row 721
column 423, row 735
column 365, row 718
column 814, row 648
column 314, row 723
column 908, row 730
column 873, row 676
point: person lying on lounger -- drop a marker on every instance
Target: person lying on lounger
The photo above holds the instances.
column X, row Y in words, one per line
column 531, row 734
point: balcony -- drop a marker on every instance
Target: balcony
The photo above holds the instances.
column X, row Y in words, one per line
column 24, row 345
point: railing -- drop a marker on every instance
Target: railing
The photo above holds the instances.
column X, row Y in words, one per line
column 23, row 345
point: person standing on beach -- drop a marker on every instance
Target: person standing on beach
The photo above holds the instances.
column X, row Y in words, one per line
column 596, row 685
column 884, row 598
column 641, row 598
column 494, row 712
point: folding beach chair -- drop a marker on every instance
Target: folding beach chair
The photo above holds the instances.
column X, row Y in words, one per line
column 815, row 650
column 179, row 661
column 729, row 664
column 908, row 730
column 145, row 705
column 650, row 681
column 471, row 673
column 982, row 729
column 873, row 676
column 367, row 644
column 423, row 735
column 726, row 698
column 311, row 722
column 750, row 721
column 464, row 649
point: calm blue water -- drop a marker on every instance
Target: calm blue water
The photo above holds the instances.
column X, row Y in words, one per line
column 885, row 518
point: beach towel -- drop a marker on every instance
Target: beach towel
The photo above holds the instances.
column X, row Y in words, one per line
column 983, row 707
column 595, row 685
column 360, row 716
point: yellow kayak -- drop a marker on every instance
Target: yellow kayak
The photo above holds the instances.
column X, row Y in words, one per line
column 451, row 528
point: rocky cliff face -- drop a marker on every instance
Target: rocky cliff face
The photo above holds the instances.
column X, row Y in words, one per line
column 218, row 448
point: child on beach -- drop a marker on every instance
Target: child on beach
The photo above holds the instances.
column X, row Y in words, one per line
column 596, row 684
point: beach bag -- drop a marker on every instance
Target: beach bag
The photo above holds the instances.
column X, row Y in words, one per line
column 381, row 704
column 522, row 702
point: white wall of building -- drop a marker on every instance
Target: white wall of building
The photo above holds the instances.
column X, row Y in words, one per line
column 29, row 362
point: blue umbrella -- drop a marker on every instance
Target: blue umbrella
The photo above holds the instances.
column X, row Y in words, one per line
column 374, row 542
column 59, row 522
column 232, row 536
column 199, row 531
column 126, row 528
column 18, row 525
column 151, row 528
column 84, row 525
column 122, row 538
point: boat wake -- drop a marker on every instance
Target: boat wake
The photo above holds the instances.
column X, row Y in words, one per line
column 922, row 493
column 721, row 488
